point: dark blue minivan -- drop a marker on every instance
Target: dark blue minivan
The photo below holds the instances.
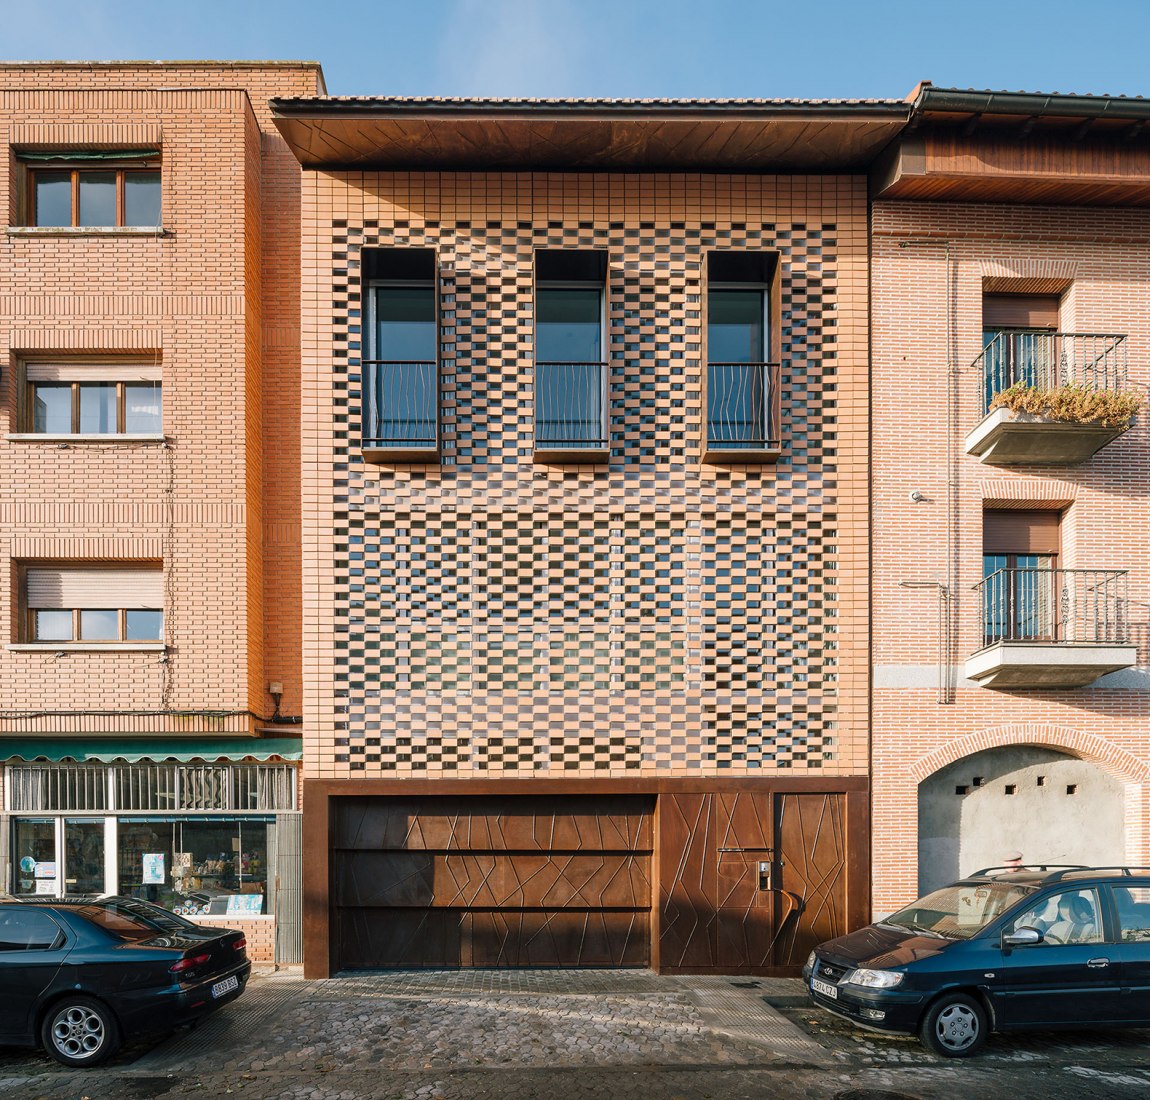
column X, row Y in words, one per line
column 1002, row 950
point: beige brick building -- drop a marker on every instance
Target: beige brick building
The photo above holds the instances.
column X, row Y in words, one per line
column 1009, row 245
column 150, row 518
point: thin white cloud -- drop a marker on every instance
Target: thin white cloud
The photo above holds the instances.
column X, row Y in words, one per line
column 511, row 48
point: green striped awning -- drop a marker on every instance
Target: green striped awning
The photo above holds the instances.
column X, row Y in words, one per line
column 182, row 750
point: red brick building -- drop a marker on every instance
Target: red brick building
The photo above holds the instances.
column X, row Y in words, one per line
column 150, row 517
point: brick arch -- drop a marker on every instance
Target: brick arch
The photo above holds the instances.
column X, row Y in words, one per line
column 1086, row 746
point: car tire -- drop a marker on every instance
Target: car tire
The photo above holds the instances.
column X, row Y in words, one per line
column 80, row 1031
column 955, row 1026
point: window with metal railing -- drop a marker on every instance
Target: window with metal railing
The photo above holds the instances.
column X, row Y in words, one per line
column 570, row 360
column 743, row 390
column 400, row 410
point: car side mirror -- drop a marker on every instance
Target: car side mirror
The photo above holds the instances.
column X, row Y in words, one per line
column 1022, row 937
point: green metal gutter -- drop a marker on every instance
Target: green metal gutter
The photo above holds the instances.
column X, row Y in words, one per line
column 959, row 101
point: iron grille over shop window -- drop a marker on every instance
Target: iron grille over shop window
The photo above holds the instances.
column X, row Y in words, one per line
column 166, row 787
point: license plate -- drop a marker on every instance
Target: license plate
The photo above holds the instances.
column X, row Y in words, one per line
column 825, row 988
column 228, row 984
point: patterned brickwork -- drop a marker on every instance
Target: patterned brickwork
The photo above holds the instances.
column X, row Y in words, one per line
column 494, row 615
column 1102, row 255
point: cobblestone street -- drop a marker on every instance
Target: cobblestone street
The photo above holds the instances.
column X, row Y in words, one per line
column 510, row 1034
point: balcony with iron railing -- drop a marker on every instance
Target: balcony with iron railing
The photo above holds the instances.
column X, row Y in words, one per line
column 744, row 411
column 1049, row 398
column 570, row 408
column 400, row 410
column 1051, row 628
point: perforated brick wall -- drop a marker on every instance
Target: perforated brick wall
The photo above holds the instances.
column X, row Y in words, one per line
column 488, row 615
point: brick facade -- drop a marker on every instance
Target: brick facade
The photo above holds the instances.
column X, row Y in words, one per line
column 493, row 616
column 928, row 258
column 213, row 300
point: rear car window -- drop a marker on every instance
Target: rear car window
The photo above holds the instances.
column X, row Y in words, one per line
column 27, row 930
column 1133, row 905
column 124, row 926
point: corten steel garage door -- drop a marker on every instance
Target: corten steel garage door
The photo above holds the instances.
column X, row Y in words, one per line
column 476, row 881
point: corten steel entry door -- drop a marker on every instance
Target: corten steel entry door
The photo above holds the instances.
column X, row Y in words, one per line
column 759, row 879
column 491, row 881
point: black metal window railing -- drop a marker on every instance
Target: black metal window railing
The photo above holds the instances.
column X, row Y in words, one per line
column 1054, row 605
column 400, row 404
column 569, row 402
column 1049, row 360
column 743, row 406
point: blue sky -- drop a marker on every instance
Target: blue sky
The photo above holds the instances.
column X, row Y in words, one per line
column 806, row 48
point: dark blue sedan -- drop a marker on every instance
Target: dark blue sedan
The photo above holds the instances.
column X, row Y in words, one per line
column 78, row 976
column 1003, row 950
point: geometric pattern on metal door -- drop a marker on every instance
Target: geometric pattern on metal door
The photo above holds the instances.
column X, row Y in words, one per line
column 491, row 881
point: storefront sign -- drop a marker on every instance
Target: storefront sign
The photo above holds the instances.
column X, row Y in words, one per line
column 45, row 870
column 240, row 904
column 45, row 886
column 153, row 868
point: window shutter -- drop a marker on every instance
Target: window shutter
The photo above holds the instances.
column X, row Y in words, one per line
column 1020, row 532
column 1020, row 311
column 95, row 586
column 93, row 372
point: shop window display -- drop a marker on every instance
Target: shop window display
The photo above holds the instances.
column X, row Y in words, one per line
column 196, row 867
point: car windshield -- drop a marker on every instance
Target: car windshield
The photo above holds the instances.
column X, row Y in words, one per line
column 959, row 912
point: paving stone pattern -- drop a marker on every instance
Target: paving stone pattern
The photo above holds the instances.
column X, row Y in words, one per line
column 573, row 1035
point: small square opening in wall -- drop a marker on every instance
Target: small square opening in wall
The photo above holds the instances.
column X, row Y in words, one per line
column 1040, row 781
column 978, row 781
column 1071, row 788
column 961, row 789
column 1011, row 788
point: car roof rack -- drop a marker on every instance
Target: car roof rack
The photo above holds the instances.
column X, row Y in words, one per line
column 1127, row 871
column 1044, row 868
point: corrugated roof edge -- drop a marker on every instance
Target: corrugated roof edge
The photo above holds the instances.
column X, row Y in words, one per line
column 175, row 64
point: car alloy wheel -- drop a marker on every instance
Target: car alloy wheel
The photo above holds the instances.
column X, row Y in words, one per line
column 954, row 1027
column 80, row 1031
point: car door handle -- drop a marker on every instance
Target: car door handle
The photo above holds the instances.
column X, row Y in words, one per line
column 1098, row 964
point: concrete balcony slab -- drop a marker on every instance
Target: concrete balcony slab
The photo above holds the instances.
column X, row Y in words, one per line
column 1047, row 664
column 1006, row 438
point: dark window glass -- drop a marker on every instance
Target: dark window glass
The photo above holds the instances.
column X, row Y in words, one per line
column 27, row 930
column 53, row 626
column 122, row 925
column 735, row 326
column 97, row 198
column 142, row 198
column 143, row 407
column 98, row 408
column 99, row 626
column 405, row 323
column 144, row 625
column 53, row 198
column 52, row 408
column 568, row 324
column 33, row 854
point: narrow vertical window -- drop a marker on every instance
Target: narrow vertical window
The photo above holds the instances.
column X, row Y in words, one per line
column 742, row 385
column 570, row 361
column 401, row 377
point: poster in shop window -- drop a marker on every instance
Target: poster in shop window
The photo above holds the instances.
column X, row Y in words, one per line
column 153, row 868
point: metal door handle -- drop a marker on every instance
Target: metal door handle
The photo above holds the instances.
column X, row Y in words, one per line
column 1098, row 964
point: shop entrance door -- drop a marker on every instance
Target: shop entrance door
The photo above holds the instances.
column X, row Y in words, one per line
column 84, row 856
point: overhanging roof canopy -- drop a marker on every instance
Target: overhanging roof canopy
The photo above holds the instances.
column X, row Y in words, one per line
column 587, row 134
column 185, row 750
